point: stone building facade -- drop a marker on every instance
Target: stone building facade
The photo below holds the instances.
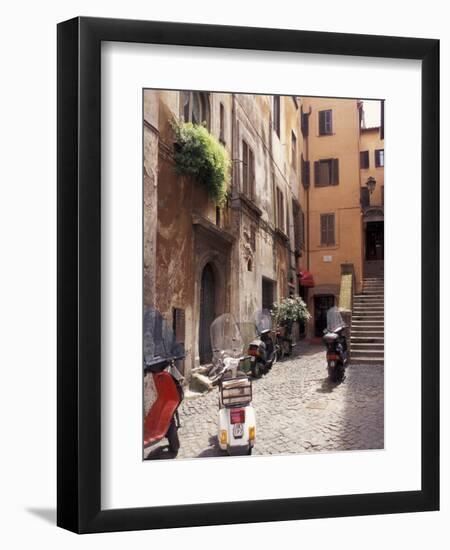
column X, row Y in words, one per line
column 201, row 260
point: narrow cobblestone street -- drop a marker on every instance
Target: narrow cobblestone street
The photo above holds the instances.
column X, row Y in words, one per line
column 297, row 410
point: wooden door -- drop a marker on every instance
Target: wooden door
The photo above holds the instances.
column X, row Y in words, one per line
column 321, row 305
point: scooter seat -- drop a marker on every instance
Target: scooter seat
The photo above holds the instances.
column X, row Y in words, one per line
column 159, row 416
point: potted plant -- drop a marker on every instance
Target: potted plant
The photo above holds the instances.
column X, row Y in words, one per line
column 285, row 313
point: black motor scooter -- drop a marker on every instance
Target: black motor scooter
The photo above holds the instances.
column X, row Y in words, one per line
column 336, row 344
column 264, row 351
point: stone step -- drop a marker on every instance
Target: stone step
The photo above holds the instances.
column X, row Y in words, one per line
column 365, row 279
column 367, row 335
column 356, row 340
column 368, row 329
column 368, row 353
column 368, row 317
column 357, row 360
column 367, row 298
column 368, row 307
column 373, row 290
column 367, row 347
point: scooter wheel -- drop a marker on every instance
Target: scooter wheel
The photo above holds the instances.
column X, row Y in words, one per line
column 172, row 436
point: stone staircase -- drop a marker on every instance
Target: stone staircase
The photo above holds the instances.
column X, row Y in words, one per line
column 367, row 332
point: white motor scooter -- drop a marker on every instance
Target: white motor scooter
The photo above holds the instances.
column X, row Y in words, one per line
column 237, row 422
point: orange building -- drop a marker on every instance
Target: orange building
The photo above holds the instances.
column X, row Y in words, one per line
column 343, row 167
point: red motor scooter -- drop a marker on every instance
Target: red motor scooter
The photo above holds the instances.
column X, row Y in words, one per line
column 160, row 356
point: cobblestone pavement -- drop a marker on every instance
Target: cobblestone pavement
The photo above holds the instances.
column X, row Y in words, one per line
column 297, row 411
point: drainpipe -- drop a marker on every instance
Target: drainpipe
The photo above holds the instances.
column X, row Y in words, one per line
column 308, row 114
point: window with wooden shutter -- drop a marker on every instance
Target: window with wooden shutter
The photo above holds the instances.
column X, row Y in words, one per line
column 196, row 108
column 222, row 124
column 325, row 122
column 276, row 114
column 294, row 151
column 244, row 167
column 364, row 159
column 327, row 230
column 305, row 169
column 379, row 158
column 335, row 172
column 304, row 122
column 268, row 297
column 280, row 210
column 326, row 172
column 248, row 171
column 251, row 173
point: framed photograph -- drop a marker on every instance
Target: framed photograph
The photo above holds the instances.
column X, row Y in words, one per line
column 248, row 316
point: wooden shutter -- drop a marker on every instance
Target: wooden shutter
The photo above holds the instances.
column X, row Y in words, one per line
column 328, row 122
column 331, row 238
column 323, row 229
column 364, row 159
column 325, row 122
column 244, row 168
column 321, row 122
column 335, row 172
column 316, row 173
column 251, row 169
column 305, row 124
column 327, row 229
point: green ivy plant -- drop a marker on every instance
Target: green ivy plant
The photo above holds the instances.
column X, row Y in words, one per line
column 290, row 309
column 201, row 155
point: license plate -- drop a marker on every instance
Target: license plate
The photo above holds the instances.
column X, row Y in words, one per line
column 238, row 430
column 332, row 363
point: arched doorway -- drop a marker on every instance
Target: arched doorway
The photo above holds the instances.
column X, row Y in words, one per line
column 207, row 313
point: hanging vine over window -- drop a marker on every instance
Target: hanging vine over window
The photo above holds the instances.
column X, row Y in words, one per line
column 199, row 154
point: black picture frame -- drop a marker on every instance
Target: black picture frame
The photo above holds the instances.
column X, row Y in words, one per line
column 79, row 279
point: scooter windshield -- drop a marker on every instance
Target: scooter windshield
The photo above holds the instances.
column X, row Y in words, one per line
column 334, row 319
column 159, row 339
column 263, row 320
column 226, row 337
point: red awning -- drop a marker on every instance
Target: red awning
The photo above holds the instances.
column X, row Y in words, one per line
column 306, row 278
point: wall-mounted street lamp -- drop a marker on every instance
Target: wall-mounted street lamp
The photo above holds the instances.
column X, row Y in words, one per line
column 371, row 183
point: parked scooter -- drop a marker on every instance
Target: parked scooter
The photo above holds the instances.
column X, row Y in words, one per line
column 263, row 350
column 336, row 344
column 161, row 354
column 237, row 422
